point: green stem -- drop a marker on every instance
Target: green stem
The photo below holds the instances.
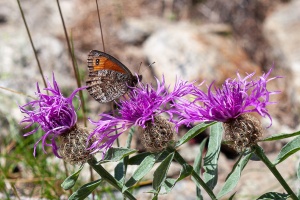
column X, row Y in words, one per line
column 109, row 178
column 197, row 178
column 260, row 153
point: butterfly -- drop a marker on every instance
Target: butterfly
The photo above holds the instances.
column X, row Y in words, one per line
column 108, row 78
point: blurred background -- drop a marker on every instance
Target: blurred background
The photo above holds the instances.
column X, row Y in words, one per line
column 188, row 39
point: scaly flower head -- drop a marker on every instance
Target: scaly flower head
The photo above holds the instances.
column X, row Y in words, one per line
column 53, row 113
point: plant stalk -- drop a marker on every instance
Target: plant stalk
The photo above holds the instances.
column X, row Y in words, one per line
column 260, row 153
column 197, row 178
column 32, row 45
column 109, row 178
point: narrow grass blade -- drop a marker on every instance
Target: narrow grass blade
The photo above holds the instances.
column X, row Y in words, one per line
column 32, row 45
column 289, row 149
column 78, row 81
column 193, row 133
column 85, row 190
column 210, row 166
column 71, row 180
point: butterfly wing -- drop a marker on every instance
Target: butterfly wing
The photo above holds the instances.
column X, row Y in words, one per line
column 108, row 78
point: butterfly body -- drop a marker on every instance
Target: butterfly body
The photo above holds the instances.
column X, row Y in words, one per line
column 108, row 78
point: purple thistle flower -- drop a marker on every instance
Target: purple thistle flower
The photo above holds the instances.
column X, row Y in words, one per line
column 144, row 102
column 234, row 98
column 54, row 114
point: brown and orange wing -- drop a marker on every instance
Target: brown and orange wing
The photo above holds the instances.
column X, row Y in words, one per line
column 108, row 78
column 98, row 60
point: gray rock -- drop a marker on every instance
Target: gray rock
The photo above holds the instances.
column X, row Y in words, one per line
column 135, row 30
column 282, row 30
column 196, row 53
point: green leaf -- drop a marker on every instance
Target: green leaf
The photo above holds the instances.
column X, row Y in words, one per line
column 85, row 190
column 193, row 133
column 119, row 171
column 235, row 174
column 137, row 159
column 129, row 137
column 198, row 160
column 116, row 154
column 71, row 180
column 169, row 183
column 121, row 168
column 210, row 176
column 160, row 173
column 281, row 136
column 289, row 149
column 105, row 175
column 273, row 195
column 145, row 166
column 197, row 166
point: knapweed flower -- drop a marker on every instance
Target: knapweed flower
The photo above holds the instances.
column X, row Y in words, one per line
column 143, row 108
column 56, row 116
column 231, row 103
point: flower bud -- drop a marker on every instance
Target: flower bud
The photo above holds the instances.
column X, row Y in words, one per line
column 243, row 132
column 73, row 145
column 157, row 135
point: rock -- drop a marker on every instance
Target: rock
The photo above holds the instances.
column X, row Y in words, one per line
column 135, row 30
column 282, row 29
column 196, row 53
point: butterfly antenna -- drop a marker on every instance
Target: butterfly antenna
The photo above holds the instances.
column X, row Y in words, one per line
column 148, row 66
column 151, row 64
column 99, row 18
column 139, row 67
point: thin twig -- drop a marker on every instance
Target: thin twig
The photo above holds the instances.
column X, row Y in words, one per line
column 74, row 64
column 76, row 73
column 32, row 45
column 102, row 38
column 67, row 174
column 79, row 85
column 20, row 93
